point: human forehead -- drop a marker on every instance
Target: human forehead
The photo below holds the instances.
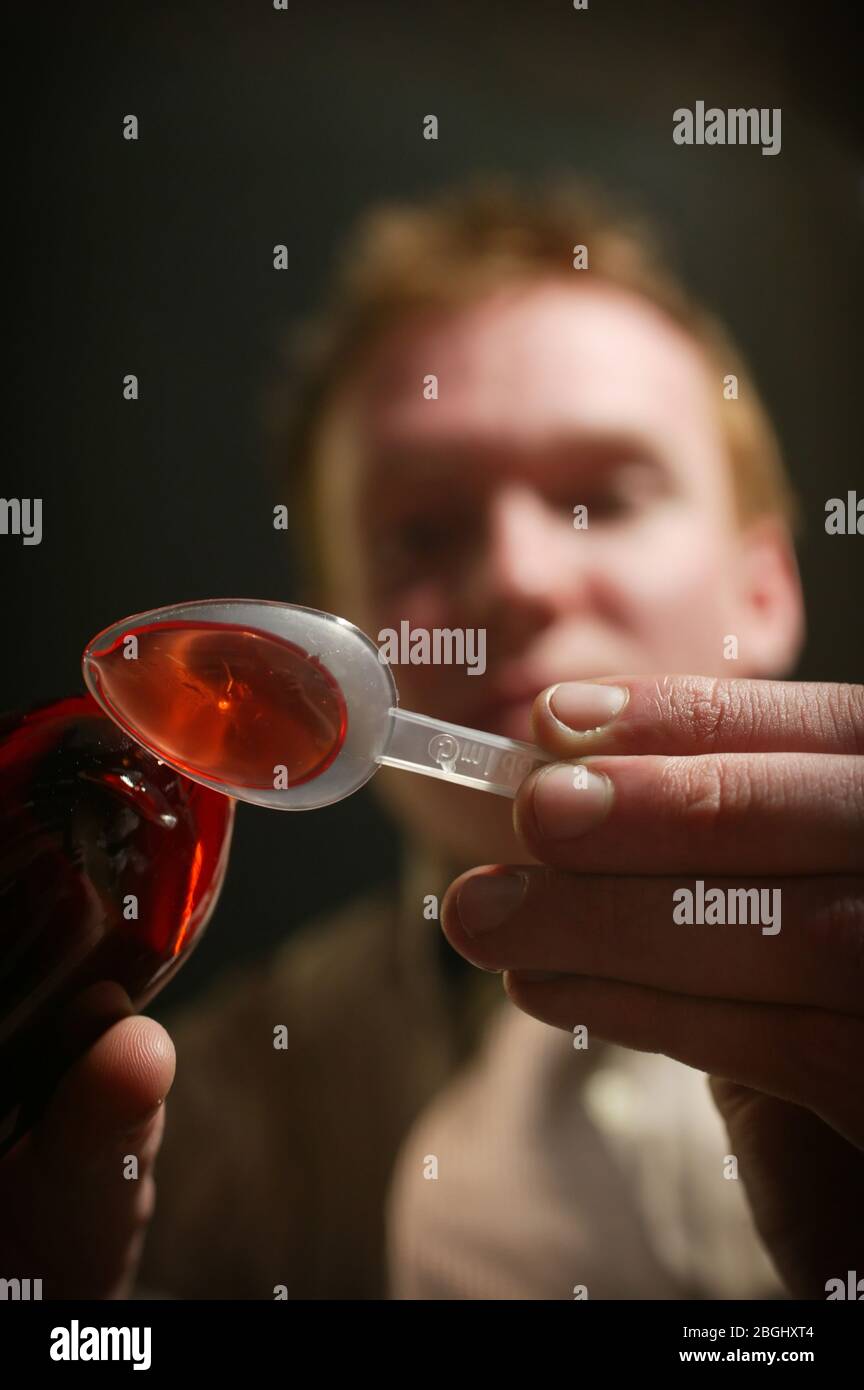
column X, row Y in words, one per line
column 533, row 358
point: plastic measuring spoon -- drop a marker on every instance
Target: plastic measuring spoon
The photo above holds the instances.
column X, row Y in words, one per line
column 280, row 705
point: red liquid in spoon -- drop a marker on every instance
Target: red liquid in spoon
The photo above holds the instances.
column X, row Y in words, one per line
column 229, row 703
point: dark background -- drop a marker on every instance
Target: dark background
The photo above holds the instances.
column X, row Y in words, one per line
column 258, row 127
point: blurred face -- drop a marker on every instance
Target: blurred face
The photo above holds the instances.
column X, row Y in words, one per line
column 458, row 512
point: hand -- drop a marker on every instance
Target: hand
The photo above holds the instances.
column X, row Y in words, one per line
column 740, row 784
column 68, row 1215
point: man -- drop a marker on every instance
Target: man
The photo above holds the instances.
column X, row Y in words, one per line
column 513, row 421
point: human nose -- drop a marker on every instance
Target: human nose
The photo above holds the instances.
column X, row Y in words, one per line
column 528, row 551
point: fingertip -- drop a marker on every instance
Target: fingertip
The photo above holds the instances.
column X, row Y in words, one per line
column 540, row 714
column 449, row 917
column 116, row 1087
column 577, row 717
column 138, row 1064
column 524, row 823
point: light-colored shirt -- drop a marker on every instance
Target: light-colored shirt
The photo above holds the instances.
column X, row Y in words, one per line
column 419, row 1137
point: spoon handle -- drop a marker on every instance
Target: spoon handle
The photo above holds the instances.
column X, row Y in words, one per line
column 487, row 762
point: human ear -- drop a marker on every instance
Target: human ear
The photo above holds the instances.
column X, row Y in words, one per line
column 770, row 600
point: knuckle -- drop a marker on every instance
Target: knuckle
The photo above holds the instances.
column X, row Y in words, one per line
column 705, row 707
column 846, row 712
column 705, row 789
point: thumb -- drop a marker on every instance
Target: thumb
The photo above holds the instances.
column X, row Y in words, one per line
column 89, row 1178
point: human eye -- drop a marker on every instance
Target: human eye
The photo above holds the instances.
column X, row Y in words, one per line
column 423, row 541
column 623, row 493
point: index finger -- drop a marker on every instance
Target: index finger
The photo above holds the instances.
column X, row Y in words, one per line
column 698, row 714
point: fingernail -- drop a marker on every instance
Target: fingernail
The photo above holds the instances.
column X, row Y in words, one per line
column 486, row 900
column 582, row 708
column 566, row 805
